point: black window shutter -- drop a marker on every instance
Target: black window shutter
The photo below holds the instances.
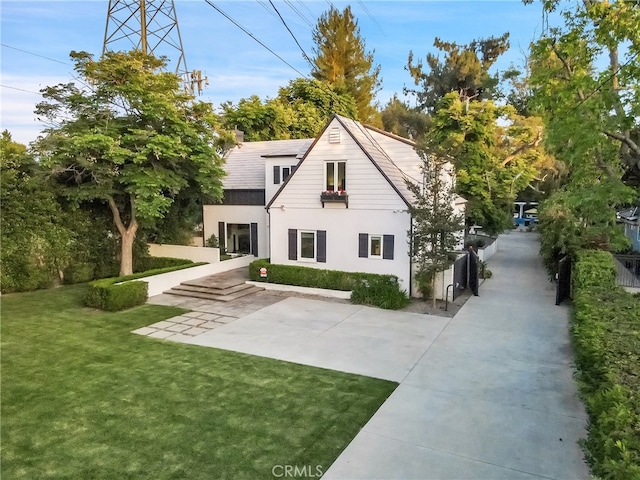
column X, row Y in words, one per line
column 254, row 239
column 293, row 244
column 276, row 175
column 387, row 247
column 293, row 168
column 321, row 255
column 222, row 238
column 363, row 247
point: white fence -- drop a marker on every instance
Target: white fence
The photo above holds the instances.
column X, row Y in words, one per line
column 165, row 281
column 488, row 251
column 195, row 254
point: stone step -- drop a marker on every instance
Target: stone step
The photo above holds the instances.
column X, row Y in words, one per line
column 203, row 288
column 212, row 295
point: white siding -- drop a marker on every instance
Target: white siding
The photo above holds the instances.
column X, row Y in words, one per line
column 342, row 227
column 244, row 214
column 366, row 187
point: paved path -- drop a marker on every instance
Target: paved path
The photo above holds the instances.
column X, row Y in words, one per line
column 487, row 394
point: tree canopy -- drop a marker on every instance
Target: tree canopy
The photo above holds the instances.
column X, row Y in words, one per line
column 464, row 69
column 591, row 113
column 301, row 110
column 341, row 60
column 496, row 153
column 129, row 137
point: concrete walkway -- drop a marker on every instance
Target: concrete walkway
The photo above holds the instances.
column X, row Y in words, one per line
column 487, row 394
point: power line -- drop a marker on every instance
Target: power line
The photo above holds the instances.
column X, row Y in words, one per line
column 304, row 54
column 20, row 89
column 300, row 14
column 34, row 54
column 254, row 37
column 264, row 5
column 602, row 83
column 366, row 10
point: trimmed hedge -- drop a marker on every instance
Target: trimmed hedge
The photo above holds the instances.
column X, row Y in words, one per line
column 105, row 294
column 606, row 337
column 367, row 288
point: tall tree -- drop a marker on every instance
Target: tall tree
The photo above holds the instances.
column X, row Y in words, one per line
column 129, row 137
column 464, row 69
column 436, row 227
column 591, row 116
column 301, row 110
column 399, row 118
column 494, row 160
column 341, row 60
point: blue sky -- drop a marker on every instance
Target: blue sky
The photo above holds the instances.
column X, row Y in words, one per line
column 37, row 37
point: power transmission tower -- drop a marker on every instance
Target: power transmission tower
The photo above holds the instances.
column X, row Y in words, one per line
column 150, row 26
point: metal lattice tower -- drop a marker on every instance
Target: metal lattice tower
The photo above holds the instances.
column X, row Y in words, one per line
column 150, row 26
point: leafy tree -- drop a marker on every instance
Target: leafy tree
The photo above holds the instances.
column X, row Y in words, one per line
column 591, row 116
column 130, row 138
column 300, row 110
column 36, row 245
column 464, row 69
column 340, row 59
column 399, row 118
column 494, row 159
column 436, row 227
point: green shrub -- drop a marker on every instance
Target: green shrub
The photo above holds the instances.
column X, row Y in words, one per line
column 79, row 273
column 594, row 268
column 146, row 263
column 386, row 286
column 606, row 337
column 382, row 291
column 106, row 295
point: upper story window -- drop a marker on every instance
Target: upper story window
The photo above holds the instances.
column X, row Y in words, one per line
column 280, row 173
column 335, row 176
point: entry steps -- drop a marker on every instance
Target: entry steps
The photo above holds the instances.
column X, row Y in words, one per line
column 222, row 287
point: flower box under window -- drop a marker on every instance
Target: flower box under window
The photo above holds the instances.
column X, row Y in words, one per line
column 334, row 197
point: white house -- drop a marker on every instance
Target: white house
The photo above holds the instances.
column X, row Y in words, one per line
column 337, row 202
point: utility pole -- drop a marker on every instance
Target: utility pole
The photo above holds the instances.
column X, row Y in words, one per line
column 150, row 26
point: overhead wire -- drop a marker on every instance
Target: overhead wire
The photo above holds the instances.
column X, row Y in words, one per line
column 34, row 54
column 299, row 13
column 373, row 19
column 221, row 12
column 304, row 54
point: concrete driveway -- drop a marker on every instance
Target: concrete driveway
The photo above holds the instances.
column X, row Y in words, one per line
column 487, row 394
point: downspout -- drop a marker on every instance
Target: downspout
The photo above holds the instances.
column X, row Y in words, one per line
column 410, row 254
column 268, row 231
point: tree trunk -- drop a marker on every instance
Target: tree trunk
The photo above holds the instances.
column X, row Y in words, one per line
column 126, row 252
column 127, row 236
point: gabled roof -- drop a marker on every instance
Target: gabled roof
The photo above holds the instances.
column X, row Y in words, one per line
column 373, row 149
column 245, row 163
column 371, row 142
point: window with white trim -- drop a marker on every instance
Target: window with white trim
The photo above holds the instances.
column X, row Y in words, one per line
column 307, row 245
column 375, row 246
column 335, row 176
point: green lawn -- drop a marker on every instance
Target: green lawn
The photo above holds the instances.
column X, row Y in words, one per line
column 83, row 398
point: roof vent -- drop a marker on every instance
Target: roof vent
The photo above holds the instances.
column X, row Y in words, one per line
column 334, row 135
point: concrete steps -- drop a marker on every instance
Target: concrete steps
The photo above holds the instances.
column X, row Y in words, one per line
column 222, row 287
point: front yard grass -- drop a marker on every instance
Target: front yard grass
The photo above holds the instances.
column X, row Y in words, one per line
column 82, row 397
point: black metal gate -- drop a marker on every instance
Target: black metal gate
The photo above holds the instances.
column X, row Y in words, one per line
column 459, row 275
column 563, row 284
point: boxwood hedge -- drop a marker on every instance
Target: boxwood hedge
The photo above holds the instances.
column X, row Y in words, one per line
column 606, row 337
column 367, row 288
column 112, row 295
